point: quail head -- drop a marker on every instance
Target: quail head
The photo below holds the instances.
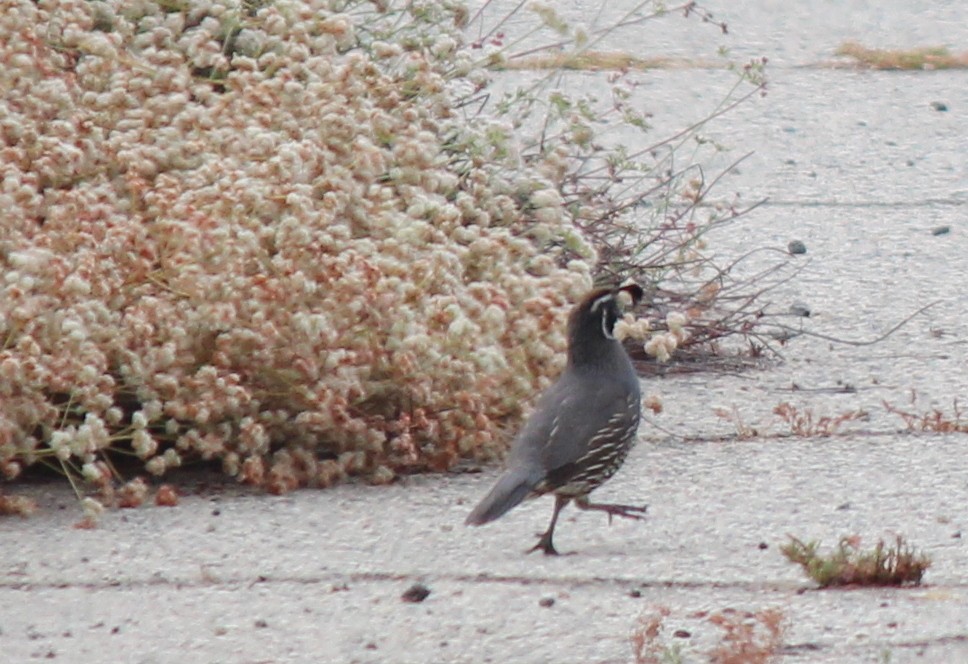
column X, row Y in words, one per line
column 582, row 427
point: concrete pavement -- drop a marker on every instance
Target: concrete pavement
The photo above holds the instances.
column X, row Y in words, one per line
column 858, row 167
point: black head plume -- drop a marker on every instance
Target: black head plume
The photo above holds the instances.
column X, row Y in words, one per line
column 592, row 322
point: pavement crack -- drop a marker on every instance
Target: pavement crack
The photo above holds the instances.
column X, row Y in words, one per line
column 339, row 580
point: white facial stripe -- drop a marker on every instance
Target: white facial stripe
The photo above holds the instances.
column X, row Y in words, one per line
column 600, row 301
column 605, row 331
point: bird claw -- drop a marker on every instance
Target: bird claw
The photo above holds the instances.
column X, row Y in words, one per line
column 545, row 546
column 625, row 511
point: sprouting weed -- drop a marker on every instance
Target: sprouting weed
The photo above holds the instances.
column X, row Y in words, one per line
column 848, row 564
column 745, row 637
column 806, row 423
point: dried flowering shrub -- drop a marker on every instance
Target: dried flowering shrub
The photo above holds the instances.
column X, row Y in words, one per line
column 264, row 234
column 646, row 202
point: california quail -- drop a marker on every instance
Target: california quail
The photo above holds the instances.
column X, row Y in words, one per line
column 582, row 427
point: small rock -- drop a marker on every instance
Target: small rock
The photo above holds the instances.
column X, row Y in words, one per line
column 418, row 592
column 796, row 247
column 843, row 506
column 261, row 624
column 940, row 230
column 939, row 106
column 762, row 546
column 681, row 634
column 635, row 593
column 800, row 309
column 546, row 602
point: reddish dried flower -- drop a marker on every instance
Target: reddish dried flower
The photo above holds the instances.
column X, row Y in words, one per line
column 16, row 505
column 288, row 260
column 166, row 496
column 132, row 493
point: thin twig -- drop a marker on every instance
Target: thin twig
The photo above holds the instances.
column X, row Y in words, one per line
column 848, row 342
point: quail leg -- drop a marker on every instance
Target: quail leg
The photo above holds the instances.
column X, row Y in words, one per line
column 545, row 544
column 612, row 509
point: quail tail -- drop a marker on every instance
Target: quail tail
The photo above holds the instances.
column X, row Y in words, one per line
column 513, row 487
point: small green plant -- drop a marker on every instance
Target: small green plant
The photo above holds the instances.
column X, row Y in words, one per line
column 849, row 565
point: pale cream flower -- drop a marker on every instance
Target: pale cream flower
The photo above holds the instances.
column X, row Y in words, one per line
column 675, row 321
column 92, row 508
